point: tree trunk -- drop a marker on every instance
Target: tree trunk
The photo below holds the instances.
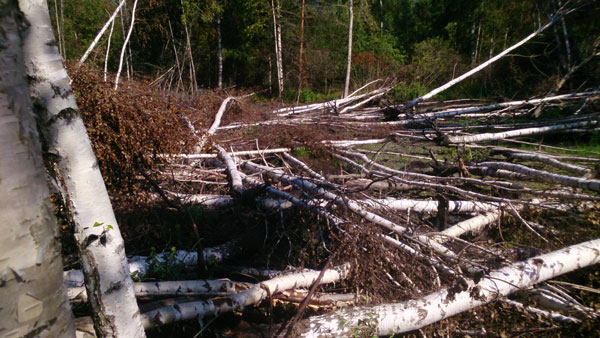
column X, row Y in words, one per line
column 33, row 299
column 300, row 56
column 277, row 37
column 112, row 26
column 349, row 62
column 124, row 48
column 478, row 68
column 99, row 35
column 219, row 53
column 96, row 231
column 412, row 315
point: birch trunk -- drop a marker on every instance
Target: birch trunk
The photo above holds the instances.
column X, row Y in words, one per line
column 219, row 53
column 545, row 176
column 101, row 247
column 414, row 314
column 170, row 314
column 349, row 59
column 124, row 48
column 101, row 33
column 300, row 54
column 277, row 38
column 33, row 299
column 478, row 68
column 517, row 132
column 112, row 26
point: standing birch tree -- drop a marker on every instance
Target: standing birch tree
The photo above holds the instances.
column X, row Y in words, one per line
column 33, row 299
column 349, row 58
column 101, row 246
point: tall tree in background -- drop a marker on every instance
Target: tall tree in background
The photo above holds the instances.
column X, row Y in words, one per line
column 32, row 295
column 101, row 248
column 276, row 9
column 300, row 56
column 349, row 59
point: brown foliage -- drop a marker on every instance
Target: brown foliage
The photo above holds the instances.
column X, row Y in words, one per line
column 128, row 127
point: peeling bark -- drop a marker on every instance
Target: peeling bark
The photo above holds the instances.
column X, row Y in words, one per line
column 33, row 299
column 412, row 315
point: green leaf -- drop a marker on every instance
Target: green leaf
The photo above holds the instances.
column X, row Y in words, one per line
column 109, row 227
column 96, row 224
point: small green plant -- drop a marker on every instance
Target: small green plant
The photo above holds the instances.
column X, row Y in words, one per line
column 408, row 91
column 105, row 227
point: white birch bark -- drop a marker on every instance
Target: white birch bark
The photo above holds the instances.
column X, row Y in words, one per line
column 349, row 57
column 234, row 154
column 219, row 54
column 550, row 160
column 518, row 132
column 412, row 315
column 112, row 26
column 545, row 176
column 101, row 247
column 190, row 310
column 471, row 225
column 277, row 39
column 204, row 287
column 420, row 206
column 213, row 128
column 31, row 293
column 101, row 33
column 124, row 48
column 478, row 68
column 235, row 180
column 495, row 106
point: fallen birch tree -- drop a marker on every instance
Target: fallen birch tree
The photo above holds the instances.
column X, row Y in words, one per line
column 412, row 315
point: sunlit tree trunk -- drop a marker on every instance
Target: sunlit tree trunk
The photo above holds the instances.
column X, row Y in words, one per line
column 33, row 300
column 349, row 60
column 101, row 246
column 276, row 9
column 124, row 48
column 101, row 33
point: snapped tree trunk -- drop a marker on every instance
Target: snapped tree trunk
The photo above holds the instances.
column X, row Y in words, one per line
column 97, row 233
column 349, row 62
column 33, row 299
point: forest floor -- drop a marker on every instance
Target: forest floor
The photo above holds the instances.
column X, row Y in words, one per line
column 130, row 129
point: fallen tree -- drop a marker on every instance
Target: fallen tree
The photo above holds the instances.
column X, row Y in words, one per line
column 395, row 318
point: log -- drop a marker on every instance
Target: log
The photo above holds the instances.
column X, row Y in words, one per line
column 238, row 302
column 577, row 182
column 412, row 315
column 448, row 139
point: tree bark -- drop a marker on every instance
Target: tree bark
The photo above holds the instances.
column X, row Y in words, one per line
column 124, row 48
column 276, row 9
column 100, row 34
column 349, row 59
column 112, row 26
column 412, row 315
column 300, row 54
column 33, row 299
column 96, row 230
column 219, row 53
column 478, row 68
column 170, row 314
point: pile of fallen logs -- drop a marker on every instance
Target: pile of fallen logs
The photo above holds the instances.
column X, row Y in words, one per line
column 466, row 197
